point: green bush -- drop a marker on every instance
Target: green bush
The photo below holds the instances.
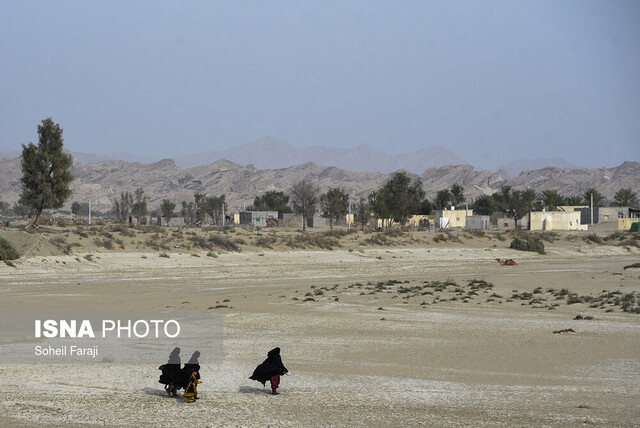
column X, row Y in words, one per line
column 530, row 243
column 7, row 252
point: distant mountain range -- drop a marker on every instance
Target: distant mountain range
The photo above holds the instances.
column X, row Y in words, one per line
column 268, row 153
column 102, row 182
column 514, row 168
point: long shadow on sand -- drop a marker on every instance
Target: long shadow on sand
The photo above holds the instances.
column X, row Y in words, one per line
column 253, row 390
column 153, row 391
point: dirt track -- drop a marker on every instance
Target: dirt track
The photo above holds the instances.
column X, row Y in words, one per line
column 372, row 358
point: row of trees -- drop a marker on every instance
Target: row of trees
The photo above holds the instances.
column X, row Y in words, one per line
column 46, row 185
column 552, row 199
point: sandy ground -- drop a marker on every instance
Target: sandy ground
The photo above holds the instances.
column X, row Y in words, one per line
column 361, row 354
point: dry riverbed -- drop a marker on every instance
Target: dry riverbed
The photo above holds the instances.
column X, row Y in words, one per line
column 420, row 335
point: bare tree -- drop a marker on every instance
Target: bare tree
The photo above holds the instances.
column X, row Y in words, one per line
column 122, row 208
column 167, row 208
column 139, row 207
column 304, row 198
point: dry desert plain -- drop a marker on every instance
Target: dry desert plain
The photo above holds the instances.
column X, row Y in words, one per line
column 410, row 332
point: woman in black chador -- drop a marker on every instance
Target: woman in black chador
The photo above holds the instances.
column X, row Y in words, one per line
column 182, row 378
column 193, row 365
column 271, row 369
column 171, row 373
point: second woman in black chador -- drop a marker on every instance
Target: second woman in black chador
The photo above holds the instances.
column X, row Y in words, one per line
column 171, row 373
column 271, row 369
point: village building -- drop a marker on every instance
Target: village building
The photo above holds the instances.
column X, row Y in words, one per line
column 445, row 219
column 421, row 221
column 478, row 222
column 628, row 223
column 555, row 220
column 256, row 218
column 508, row 223
column 604, row 214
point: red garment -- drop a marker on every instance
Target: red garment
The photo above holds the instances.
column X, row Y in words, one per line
column 275, row 382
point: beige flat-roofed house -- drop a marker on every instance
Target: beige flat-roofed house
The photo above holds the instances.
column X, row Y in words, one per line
column 555, row 220
column 452, row 218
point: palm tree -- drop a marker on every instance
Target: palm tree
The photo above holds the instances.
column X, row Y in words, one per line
column 625, row 197
column 552, row 199
column 598, row 199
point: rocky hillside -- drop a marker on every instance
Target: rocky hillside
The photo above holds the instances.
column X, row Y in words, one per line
column 102, row 182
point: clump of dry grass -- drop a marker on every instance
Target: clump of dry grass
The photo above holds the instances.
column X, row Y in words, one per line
column 550, row 237
column 7, row 252
column 592, row 238
column 377, row 239
column 224, row 243
column 310, row 240
column 106, row 243
column 530, row 243
column 265, row 241
column 339, row 233
column 124, row 231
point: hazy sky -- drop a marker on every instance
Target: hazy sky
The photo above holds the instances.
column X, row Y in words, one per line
column 491, row 81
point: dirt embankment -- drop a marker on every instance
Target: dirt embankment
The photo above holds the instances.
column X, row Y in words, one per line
column 121, row 238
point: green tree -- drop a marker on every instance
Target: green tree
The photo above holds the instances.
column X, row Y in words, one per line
column 139, row 207
column 442, row 199
column 404, row 197
column 379, row 205
column 20, row 210
column 573, row 200
column 212, row 205
column 334, row 204
column 484, row 205
column 457, row 194
column 598, row 199
column 425, row 207
column 46, row 171
column 271, row 201
column 625, row 197
column 166, row 208
column 122, row 208
column 552, row 199
column 518, row 203
column 304, row 199
column 363, row 213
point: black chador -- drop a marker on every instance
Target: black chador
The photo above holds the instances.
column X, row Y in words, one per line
column 171, row 372
column 185, row 374
column 193, row 365
column 271, row 369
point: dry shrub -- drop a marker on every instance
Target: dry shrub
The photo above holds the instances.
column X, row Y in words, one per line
column 224, row 243
column 106, row 243
column 306, row 240
column 531, row 243
column 125, row 231
column 593, row 238
column 265, row 241
column 339, row 233
column 7, row 252
column 377, row 239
